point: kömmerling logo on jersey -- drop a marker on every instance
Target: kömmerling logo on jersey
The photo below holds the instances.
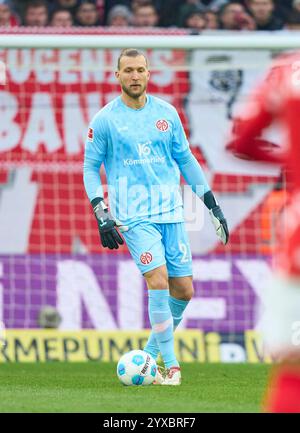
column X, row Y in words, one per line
column 151, row 160
column 144, row 151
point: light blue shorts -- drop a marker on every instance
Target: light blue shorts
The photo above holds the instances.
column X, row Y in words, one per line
column 152, row 245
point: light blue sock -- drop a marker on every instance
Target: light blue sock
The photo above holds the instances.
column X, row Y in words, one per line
column 152, row 346
column 162, row 327
column 177, row 307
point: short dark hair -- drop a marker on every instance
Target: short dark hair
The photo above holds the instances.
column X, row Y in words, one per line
column 147, row 4
column 60, row 9
column 225, row 6
column 87, row 2
column 131, row 52
column 36, row 4
column 250, row 1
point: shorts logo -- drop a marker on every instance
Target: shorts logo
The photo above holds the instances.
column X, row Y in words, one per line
column 90, row 135
column 146, row 258
column 162, row 125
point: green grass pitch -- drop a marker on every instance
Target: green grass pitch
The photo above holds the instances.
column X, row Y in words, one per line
column 94, row 387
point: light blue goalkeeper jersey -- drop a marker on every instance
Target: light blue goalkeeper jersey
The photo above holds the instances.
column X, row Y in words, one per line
column 143, row 152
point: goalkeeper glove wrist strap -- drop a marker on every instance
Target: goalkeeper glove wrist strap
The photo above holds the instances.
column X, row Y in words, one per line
column 209, row 200
column 99, row 207
column 96, row 201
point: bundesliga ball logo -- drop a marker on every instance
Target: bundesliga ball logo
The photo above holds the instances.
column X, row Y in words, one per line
column 146, row 258
column 162, row 125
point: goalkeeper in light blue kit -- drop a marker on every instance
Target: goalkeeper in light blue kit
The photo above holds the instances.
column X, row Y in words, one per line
column 141, row 141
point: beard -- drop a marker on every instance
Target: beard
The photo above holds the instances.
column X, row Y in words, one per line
column 135, row 94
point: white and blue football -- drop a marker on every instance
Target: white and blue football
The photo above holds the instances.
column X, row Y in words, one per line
column 136, row 368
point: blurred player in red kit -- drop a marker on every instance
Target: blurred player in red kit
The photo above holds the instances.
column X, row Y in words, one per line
column 277, row 99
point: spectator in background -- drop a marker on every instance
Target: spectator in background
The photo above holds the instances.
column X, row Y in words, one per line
column 7, row 17
column 194, row 19
column 283, row 8
column 87, row 14
column 211, row 19
column 185, row 9
column 168, row 13
column 171, row 11
column 145, row 15
column 70, row 5
column 213, row 5
column 263, row 13
column 18, row 7
column 233, row 16
column 110, row 4
column 61, row 18
column 119, row 16
column 293, row 18
column 296, row 6
column 36, row 14
column 202, row 5
column 137, row 3
column 293, row 22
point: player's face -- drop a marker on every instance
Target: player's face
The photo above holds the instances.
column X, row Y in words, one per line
column 133, row 75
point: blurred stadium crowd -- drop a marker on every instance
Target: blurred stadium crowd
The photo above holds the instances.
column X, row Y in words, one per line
column 196, row 15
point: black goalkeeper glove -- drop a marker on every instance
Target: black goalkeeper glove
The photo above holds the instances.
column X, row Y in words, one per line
column 219, row 223
column 217, row 217
column 109, row 235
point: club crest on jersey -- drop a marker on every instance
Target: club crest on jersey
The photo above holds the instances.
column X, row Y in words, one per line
column 162, row 125
column 146, row 258
column 90, row 135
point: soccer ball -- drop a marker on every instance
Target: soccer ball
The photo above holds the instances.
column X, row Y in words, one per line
column 136, row 368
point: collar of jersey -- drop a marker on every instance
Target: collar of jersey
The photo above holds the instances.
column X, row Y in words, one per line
column 134, row 109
